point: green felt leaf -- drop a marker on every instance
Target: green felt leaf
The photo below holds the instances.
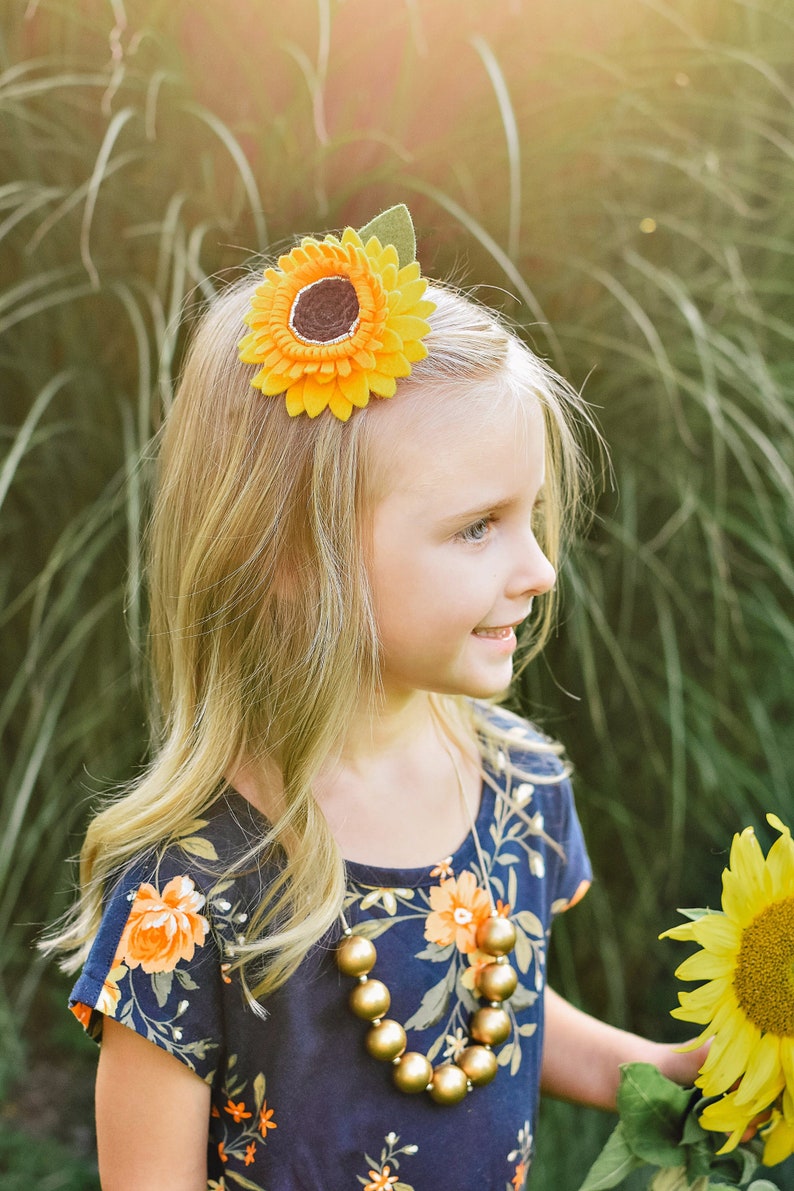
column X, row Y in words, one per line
column 652, row 1110
column 396, row 227
column 613, row 1164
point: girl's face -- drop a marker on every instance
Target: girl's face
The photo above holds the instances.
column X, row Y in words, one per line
column 453, row 561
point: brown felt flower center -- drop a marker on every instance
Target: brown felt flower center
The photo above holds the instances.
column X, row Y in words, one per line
column 327, row 311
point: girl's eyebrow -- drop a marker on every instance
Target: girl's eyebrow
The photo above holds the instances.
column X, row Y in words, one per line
column 478, row 510
column 483, row 507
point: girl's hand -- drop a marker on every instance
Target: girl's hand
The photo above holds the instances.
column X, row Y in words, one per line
column 680, row 1066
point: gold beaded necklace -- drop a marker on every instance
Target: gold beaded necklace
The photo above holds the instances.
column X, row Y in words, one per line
column 386, row 1039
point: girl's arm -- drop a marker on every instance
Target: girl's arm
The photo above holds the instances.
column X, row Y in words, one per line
column 582, row 1056
column 152, row 1116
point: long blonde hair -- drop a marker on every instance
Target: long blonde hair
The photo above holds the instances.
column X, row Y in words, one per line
column 263, row 640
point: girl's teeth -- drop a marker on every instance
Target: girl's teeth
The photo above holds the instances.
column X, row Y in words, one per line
column 498, row 633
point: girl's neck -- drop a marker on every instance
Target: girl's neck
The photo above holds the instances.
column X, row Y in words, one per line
column 401, row 791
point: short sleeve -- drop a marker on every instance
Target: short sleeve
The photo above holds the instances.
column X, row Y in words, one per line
column 536, row 781
column 571, row 874
column 155, row 965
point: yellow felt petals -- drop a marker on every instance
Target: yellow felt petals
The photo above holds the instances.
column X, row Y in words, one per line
column 337, row 322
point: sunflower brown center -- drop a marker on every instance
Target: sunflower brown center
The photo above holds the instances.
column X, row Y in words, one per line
column 764, row 976
column 326, row 311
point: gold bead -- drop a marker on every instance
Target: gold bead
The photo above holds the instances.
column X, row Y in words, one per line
column 412, row 1072
column 450, row 1084
column 496, row 935
column 490, row 1026
column 497, row 982
column 479, row 1064
column 370, row 999
column 355, row 955
column 385, row 1040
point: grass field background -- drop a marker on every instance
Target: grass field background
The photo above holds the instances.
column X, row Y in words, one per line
column 619, row 178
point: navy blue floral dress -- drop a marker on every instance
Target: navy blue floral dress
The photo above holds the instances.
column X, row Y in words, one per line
column 297, row 1103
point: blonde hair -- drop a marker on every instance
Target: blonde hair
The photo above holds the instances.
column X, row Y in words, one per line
column 263, row 639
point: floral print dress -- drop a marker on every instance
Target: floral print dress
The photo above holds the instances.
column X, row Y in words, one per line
column 296, row 1101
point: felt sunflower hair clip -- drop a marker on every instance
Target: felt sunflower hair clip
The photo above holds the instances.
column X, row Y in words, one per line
column 340, row 319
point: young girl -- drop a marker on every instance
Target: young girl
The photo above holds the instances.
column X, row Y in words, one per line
column 315, row 931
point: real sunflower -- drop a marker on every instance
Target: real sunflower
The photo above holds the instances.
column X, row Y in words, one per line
column 337, row 321
column 747, row 1002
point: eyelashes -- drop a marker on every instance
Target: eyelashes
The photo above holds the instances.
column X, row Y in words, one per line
column 477, row 531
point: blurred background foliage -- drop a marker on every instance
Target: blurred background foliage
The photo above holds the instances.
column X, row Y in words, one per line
column 619, row 178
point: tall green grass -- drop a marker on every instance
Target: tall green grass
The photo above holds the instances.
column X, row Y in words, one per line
column 623, row 187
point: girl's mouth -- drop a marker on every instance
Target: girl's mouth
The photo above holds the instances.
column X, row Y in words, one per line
column 503, row 633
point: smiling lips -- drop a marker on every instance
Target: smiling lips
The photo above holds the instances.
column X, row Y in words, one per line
column 499, row 634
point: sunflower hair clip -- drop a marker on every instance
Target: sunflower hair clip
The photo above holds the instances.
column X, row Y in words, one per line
column 340, row 319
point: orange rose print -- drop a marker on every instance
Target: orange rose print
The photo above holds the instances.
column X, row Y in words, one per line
column 163, row 928
column 459, row 906
column 111, row 993
column 477, row 961
column 82, row 1013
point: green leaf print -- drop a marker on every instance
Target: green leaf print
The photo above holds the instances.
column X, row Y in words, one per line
column 434, row 1003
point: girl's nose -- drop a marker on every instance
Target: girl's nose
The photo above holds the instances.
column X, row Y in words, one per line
column 534, row 575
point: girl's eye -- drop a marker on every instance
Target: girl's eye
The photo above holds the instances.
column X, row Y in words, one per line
column 477, row 531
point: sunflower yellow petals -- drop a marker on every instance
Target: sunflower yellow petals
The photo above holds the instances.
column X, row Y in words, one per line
column 727, row 1059
column 720, row 1119
column 684, row 932
column 778, row 1140
column 717, row 933
column 704, row 965
column 746, row 880
column 787, row 1063
column 701, row 1000
column 764, row 1076
column 724, row 1115
column 780, row 859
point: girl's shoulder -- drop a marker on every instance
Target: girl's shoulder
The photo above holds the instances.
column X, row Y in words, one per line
column 510, row 742
column 172, row 919
column 225, row 839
